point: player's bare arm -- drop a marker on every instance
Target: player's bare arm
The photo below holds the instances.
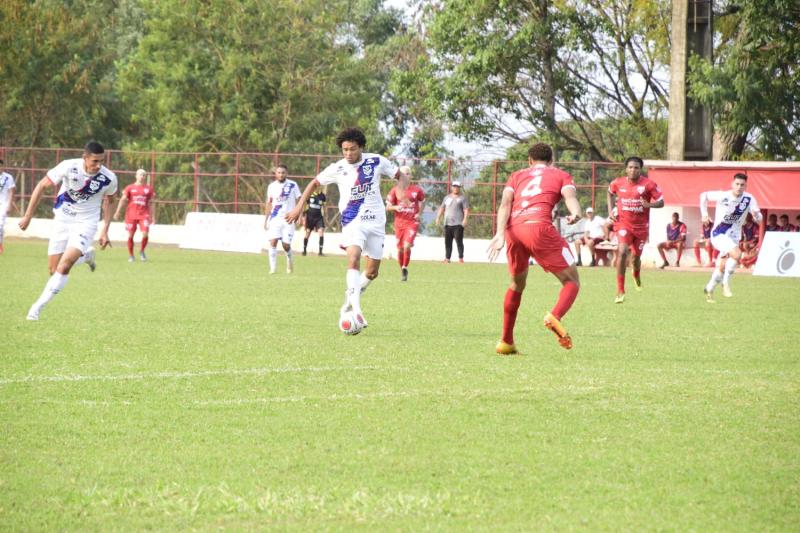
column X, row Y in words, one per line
column 610, row 200
column 653, row 205
column 297, row 212
column 108, row 204
column 570, row 195
column 120, row 206
column 504, row 211
column 44, row 184
column 704, row 208
column 466, row 214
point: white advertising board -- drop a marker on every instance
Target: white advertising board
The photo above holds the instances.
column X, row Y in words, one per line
column 779, row 255
column 224, row 232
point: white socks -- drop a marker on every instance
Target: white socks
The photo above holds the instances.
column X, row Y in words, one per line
column 52, row 287
column 353, row 278
column 273, row 259
column 716, row 277
column 365, row 281
column 730, row 266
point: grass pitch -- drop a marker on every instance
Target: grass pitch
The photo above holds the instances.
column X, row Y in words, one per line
column 195, row 391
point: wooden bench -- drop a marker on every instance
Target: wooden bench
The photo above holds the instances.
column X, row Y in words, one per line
column 605, row 252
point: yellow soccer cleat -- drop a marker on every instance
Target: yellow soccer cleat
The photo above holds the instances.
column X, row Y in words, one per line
column 552, row 323
column 619, row 298
column 503, row 348
column 709, row 296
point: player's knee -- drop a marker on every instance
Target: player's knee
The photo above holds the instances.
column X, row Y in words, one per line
column 371, row 274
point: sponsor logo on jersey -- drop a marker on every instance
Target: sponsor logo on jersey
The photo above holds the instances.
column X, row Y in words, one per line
column 362, row 188
column 82, row 194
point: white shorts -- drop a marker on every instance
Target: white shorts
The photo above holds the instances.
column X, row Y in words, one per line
column 78, row 235
column 281, row 230
column 724, row 243
column 368, row 238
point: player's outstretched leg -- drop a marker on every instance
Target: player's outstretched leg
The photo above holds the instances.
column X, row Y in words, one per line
column 716, row 278
column 53, row 286
column 566, row 297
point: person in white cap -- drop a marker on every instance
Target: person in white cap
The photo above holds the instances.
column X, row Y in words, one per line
column 455, row 208
column 594, row 233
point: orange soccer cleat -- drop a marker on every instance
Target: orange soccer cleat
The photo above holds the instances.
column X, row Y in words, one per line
column 552, row 323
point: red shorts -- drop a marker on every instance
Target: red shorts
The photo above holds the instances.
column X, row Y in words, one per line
column 541, row 241
column 635, row 239
column 143, row 223
column 671, row 245
column 405, row 234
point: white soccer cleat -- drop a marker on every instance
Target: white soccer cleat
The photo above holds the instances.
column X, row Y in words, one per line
column 89, row 258
column 142, row 257
column 33, row 314
column 361, row 320
column 130, row 259
column 726, row 290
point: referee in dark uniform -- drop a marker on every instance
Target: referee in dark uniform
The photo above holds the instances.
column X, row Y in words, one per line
column 315, row 221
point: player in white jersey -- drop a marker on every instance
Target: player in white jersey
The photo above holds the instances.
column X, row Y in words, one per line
column 363, row 212
column 282, row 196
column 86, row 188
column 730, row 213
column 7, row 186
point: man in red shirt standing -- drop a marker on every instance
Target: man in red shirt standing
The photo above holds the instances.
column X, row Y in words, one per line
column 137, row 197
column 406, row 202
column 635, row 196
column 676, row 240
column 524, row 220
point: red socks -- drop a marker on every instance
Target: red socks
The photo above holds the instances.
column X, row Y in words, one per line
column 565, row 299
column 403, row 257
column 130, row 244
column 620, row 284
column 144, row 243
column 510, row 307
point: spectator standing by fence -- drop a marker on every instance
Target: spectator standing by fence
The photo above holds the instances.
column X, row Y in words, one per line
column 455, row 209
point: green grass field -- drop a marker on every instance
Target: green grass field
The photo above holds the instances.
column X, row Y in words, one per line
column 197, row 392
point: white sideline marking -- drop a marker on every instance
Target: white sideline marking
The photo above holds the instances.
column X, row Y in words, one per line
column 188, row 375
column 469, row 394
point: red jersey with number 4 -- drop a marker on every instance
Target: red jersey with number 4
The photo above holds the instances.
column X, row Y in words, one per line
column 409, row 202
column 537, row 190
column 139, row 197
column 631, row 213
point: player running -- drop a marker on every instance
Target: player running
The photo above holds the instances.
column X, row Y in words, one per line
column 7, row 186
column 524, row 218
column 86, row 188
column 405, row 200
column 139, row 212
column 282, row 196
column 729, row 215
column 362, row 210
column 635, row 196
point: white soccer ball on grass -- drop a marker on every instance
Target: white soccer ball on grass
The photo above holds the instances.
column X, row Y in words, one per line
column 349, row 323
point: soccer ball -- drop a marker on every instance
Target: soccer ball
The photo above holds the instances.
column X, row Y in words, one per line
column 349, row 324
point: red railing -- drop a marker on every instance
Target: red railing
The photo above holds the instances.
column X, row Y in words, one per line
column 235, row 182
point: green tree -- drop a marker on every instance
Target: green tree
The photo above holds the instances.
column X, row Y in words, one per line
column 753, row 87
column 56, row 67
column 575, row 73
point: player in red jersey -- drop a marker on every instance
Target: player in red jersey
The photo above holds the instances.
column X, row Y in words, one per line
column 137, row 196
column 524, row 219
column 406, row 202
column 635, row 196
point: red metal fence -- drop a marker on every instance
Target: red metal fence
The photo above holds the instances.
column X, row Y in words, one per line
column 236, row 182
